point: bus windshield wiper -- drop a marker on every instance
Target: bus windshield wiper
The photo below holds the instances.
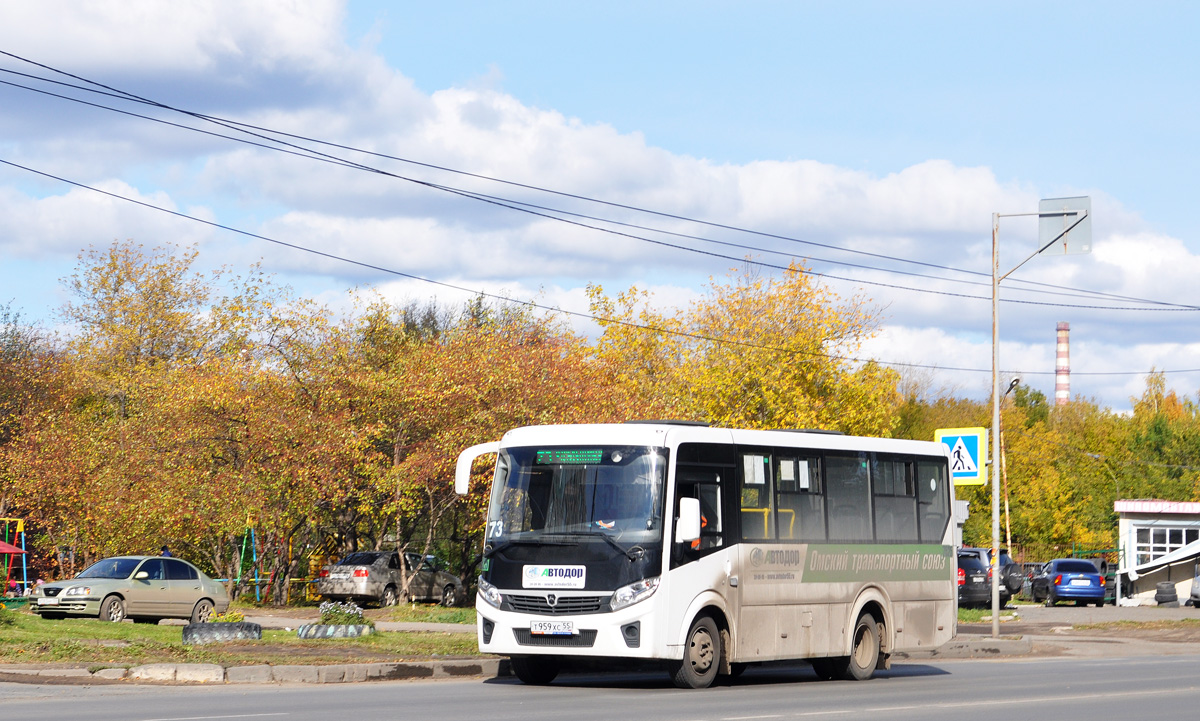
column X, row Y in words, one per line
column 491, row 550
column 632, row 554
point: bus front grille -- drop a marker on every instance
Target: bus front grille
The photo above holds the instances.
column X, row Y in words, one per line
column 586, row 638
column 563, row 605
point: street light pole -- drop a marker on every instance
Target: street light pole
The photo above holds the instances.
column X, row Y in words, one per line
column 1079, row 214
column 995, row 559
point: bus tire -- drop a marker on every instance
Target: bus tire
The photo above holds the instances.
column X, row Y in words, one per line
column 864, row 653
column 828, row 669
column 535, row 670
column 701, row 655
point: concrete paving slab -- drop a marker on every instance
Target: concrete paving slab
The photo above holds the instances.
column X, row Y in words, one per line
column 249, row 674
column 331, row 674
column 294, row 674
column 153, row 672
column 200, row 673
column 65, row 672
column 111, row 673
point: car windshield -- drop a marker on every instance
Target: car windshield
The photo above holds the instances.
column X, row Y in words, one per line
column 111, row 568
column 1076, row 567
column 361, row 558
column 612, row 490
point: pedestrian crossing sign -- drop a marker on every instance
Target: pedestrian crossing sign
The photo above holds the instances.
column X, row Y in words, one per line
column 967, row 448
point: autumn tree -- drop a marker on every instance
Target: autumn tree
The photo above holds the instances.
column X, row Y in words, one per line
column 754, row 352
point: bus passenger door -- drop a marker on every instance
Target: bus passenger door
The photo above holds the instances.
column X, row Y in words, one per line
column 702, row 565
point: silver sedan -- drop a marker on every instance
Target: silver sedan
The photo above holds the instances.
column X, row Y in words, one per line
column 142, row 588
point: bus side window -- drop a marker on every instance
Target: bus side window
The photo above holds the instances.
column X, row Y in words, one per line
column 849, row 497
column 703, row 484
column 933, row 500
column 756, row 497
column 799, row 503
column 895, row 499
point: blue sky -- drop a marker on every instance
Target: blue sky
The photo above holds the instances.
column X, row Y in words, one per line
column 889, row 128
column 1067, row 95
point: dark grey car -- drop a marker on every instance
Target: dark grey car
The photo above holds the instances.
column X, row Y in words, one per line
column 378, row 577
column 1012, row 575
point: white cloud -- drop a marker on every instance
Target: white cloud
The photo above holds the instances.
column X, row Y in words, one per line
column 58, row 225
column 190, row 37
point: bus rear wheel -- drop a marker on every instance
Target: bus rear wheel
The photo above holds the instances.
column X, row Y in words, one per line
column 535, row 670
column 701, row 656
column 864, row 655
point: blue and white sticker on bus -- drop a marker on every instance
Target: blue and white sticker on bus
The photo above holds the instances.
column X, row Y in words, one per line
column 554, row 577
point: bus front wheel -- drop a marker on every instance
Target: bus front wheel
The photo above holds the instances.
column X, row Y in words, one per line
column 535, row 670
column 701, row 656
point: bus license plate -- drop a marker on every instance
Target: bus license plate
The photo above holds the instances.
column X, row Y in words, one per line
column 552, row 628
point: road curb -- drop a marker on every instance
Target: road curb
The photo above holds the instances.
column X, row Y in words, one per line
column 206, row 673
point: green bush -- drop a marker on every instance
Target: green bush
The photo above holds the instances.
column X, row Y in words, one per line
column 228, row 617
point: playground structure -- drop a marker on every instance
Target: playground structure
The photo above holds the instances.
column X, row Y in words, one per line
column 12, row 543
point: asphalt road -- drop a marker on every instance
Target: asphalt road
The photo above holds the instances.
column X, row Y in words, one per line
column 990, row 690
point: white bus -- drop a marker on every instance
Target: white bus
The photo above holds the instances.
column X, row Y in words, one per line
column 710, row 549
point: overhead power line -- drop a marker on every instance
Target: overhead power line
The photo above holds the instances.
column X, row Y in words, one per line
column 557, row 214
column 532, row 304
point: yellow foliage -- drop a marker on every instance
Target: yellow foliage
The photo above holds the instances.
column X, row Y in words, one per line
column 754, row 352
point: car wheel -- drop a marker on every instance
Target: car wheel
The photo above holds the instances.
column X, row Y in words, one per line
column 389, row 597
column 1050, row 600
column 112, row 609
column 701, row 656
column 449, row 596
column 535, row 670
column 203, row 612
column 864, row 654
column 1100, row 603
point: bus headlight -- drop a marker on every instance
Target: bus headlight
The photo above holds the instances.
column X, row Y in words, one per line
column 634, row 592
column 489, row 593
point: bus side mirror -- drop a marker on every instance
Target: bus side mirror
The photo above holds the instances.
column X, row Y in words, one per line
column 687, row 527
column 462, row 470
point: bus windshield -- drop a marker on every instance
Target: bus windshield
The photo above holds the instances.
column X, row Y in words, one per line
column 542, row 492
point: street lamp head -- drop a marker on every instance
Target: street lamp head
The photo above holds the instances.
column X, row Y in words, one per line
column 1015, row 382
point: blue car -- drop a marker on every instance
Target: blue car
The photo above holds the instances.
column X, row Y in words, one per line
column 1068, row 579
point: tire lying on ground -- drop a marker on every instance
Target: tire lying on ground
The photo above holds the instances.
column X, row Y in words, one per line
column 1165, row 594
column 200, row 633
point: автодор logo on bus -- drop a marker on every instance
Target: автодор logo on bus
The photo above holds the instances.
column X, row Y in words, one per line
column 553, row 577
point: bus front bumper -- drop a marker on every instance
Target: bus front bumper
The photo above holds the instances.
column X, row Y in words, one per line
column 627, row 633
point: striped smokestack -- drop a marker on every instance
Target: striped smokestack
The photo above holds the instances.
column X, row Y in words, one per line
column 1062, row 366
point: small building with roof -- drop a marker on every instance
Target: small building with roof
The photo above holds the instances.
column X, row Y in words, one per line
column 1159, row 542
